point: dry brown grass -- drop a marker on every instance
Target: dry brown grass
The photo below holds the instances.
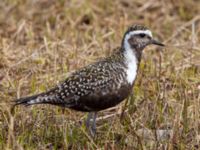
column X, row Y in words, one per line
column 42, row 40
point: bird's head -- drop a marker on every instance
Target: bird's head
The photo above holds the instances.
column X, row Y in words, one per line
column 138, row 37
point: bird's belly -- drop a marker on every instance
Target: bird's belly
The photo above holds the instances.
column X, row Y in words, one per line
column 103, row 99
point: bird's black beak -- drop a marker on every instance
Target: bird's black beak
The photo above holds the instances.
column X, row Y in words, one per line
column 156, row 42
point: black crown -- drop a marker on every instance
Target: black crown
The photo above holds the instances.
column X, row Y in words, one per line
column 137, row 27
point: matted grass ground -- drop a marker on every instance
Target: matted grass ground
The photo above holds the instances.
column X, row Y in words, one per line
column 41, row 41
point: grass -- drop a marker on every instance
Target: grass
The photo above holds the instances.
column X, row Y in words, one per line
column 42, row 41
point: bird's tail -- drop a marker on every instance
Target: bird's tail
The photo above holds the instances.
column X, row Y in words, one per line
column 46, row 97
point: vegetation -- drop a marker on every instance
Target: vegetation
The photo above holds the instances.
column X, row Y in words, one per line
column 41, row 41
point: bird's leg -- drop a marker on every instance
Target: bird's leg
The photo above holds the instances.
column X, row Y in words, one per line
column 88, row 120
column 94, row 123
column 91, row 125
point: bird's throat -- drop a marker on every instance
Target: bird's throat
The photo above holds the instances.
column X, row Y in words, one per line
column 131, row 59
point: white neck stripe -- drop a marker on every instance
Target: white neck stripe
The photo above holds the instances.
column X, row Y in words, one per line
column 130, row 56
column 147, row 32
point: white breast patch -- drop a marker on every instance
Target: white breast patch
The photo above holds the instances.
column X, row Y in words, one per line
column 131, row 62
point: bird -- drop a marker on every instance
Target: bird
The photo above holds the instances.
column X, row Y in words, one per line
column 101, row 84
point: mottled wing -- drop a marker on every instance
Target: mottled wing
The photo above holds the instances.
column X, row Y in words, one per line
column 90, row 86
column 96, row 87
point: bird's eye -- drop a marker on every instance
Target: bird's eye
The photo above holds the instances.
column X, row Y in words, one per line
column 142, row 35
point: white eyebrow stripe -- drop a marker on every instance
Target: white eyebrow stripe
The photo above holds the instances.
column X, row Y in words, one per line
column 147, row 32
